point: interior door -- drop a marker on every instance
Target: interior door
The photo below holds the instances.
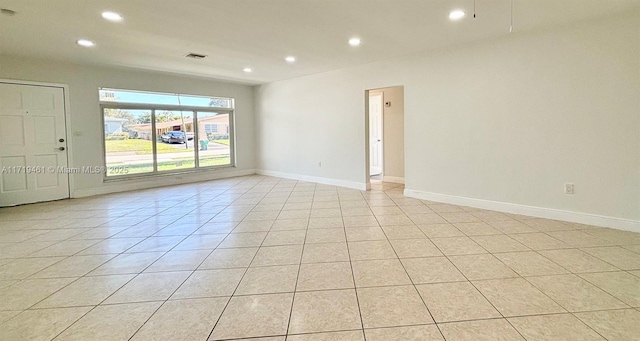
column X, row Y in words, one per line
column 375, row 133
column 33, row 155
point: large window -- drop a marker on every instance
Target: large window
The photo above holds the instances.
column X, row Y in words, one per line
column 149, row 133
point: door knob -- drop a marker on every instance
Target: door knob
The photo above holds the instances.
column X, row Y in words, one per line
column 61, row 148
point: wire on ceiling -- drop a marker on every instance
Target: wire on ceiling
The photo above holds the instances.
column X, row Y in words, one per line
column 511, row 27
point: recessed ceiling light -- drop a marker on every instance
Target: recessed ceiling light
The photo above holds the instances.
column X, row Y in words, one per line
column 354, row 41
column 290, row 59
column 85, row 43
column 456, row 15
column 112, row 16
column 247, row 70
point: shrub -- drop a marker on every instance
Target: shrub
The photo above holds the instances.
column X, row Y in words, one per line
column 216, row 136
column 117, row 136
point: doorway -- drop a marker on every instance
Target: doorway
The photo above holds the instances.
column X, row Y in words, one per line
column 375, row 133
column 385, row 134
column 33, row 144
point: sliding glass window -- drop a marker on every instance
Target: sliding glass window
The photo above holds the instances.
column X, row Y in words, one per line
column 151, row 133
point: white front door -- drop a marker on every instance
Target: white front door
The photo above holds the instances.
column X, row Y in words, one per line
column 375, row 133
column 33, row 137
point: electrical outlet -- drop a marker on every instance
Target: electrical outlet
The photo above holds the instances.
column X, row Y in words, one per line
column 569, row 189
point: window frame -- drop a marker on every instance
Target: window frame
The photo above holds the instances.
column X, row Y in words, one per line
column 168, row 107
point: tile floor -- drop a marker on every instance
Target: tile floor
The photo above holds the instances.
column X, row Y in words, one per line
column 271, row 259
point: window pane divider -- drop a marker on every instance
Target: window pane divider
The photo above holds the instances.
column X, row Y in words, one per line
column 169, row 107
column 232, row 134
column 154, row 141
column 196, row 141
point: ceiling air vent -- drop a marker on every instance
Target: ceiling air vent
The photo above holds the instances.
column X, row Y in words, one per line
column 196, row 56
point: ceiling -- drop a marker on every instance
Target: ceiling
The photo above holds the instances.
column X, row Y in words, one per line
column 234, row 34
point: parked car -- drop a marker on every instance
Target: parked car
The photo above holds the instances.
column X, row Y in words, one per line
column 190, row 135
column 173, row 137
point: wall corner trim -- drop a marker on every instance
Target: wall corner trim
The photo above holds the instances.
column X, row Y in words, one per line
column 539, row 212
column 394, row 179
column 325, row 181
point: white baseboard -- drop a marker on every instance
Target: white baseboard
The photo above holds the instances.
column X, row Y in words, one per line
column 325, row 181
column 394, row 179
column 159, row 181
column 539, row 212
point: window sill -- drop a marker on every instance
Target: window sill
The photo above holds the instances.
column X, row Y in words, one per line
column 143, row 176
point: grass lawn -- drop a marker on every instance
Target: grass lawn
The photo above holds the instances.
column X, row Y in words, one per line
column 225, row 142
column 140, row 147
column 143, row 147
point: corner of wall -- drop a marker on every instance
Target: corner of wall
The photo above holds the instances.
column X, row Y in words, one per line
column 325, row 181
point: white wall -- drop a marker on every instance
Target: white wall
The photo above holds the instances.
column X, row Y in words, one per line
column 86, row 117
column 508, row 120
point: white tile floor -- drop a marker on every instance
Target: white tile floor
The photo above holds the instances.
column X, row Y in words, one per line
column 274, row 259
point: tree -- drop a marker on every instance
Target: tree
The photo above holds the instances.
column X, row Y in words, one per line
column 219, row 102
column 167, row 116
column 119, row 113
column 145, row 118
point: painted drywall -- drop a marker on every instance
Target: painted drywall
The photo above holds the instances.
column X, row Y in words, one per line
column 393, row 133
column 86, row 118
column 506, row 120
